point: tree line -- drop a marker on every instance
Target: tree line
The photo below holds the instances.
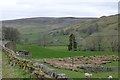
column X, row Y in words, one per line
column 94, row 43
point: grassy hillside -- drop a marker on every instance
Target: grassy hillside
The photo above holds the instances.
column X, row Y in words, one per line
column 33, row 28
column 104, row 29
column 56, row 31
column 107, row 25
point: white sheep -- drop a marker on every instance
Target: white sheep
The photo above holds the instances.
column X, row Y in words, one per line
column 17, row 54
column 110, row 77
column 88, row 75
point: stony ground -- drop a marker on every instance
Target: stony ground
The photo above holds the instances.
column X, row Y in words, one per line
column 78, row 62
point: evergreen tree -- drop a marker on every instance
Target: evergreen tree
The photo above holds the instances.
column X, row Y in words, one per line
column 72, row 43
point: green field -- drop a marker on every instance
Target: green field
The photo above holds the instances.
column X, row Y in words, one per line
column 61, row 52
column 58, row 52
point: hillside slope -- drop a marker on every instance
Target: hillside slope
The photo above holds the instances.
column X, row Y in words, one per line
column 90, row 32
column 33, row 28
column 104, row 25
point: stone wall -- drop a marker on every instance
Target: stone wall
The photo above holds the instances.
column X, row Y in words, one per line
column 100, row 69
column 37, row 70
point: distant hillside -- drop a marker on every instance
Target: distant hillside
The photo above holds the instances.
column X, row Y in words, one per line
column 106, row 24
column 33, row 28
column 91, row 33
column 44, row 22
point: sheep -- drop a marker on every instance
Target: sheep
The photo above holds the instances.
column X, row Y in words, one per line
column 18, row 54
column 110, row 77
column 88, row 75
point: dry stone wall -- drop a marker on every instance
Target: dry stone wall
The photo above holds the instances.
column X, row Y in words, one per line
column 37, row 70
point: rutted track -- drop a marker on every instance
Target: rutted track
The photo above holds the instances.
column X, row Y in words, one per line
column 37, row 70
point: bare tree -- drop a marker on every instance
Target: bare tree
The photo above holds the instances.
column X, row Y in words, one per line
column 11, row 34
column 99, row 42
column 44, row 40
